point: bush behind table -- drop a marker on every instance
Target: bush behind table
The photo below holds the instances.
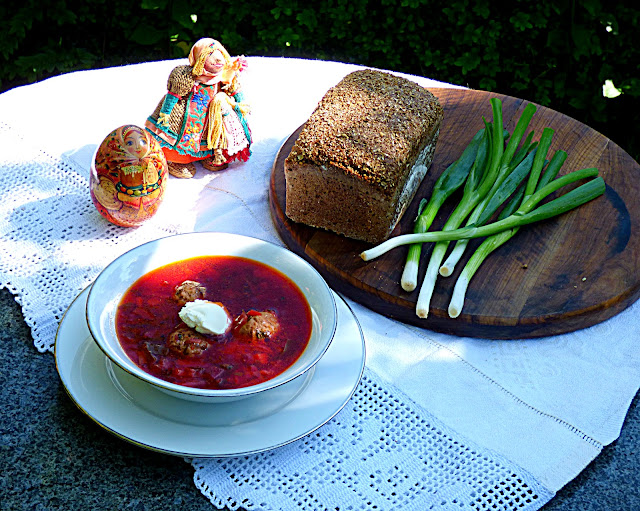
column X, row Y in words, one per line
column 555, row 53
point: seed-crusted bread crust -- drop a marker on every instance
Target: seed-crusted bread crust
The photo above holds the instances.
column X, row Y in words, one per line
column 361, row 144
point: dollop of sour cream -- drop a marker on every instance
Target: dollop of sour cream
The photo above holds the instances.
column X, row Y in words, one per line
column 205, row 317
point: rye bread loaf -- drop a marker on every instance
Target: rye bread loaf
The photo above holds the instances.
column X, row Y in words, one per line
column 362, row 154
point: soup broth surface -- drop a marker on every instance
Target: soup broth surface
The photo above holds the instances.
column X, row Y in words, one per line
column 148, row 323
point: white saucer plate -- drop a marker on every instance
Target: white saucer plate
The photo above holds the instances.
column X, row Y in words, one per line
column 149, row 418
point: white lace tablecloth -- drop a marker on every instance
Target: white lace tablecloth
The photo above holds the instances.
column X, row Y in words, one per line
column 438, row 422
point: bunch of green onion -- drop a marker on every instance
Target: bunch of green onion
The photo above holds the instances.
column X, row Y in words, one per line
column 493, row 177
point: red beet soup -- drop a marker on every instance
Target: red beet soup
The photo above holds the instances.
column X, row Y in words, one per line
column 270, row 323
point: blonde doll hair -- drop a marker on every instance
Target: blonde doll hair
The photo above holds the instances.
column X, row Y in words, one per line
column 201, row 50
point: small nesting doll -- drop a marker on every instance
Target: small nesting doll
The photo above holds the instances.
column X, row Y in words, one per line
column 128, row 176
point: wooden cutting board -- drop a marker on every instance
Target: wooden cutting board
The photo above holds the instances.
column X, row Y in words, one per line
column 556, row 276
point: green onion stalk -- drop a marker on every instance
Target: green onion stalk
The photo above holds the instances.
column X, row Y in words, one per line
column 499, row 169
column 529, row 212
column 480, row 217
column 449, row 181
column 491, row 243
column 511, row 162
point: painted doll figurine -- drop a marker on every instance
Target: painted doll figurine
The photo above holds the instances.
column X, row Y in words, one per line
column 128, row 176
column 203, row 116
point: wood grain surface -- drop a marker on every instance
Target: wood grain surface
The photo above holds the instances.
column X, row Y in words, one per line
column 556, row 276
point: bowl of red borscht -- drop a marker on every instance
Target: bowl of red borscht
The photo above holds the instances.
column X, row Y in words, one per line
column 212, row 317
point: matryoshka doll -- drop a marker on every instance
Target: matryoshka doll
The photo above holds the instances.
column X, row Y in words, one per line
column 128, row 176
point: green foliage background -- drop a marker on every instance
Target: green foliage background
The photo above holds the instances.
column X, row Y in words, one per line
column 557, row 53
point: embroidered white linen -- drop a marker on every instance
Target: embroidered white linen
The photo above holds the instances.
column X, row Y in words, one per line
column 444, row 421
